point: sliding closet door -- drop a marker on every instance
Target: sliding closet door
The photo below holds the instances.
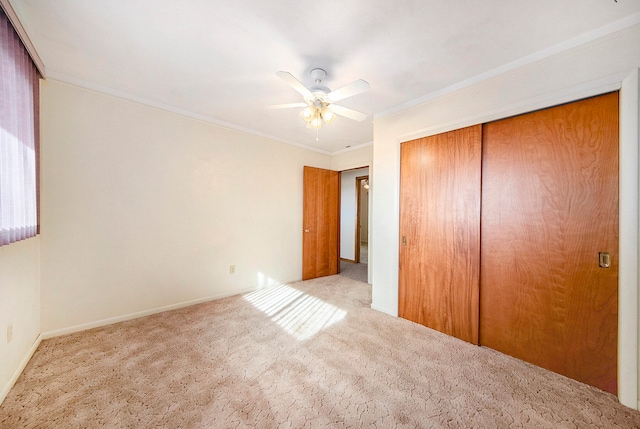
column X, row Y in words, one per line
column 549, row 208
column 440, row 232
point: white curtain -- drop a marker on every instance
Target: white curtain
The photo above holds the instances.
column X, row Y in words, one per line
column 18, row 138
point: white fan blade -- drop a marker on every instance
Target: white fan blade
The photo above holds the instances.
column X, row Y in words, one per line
column 350, row 90
column 348, row 113
column 294, row 83
column 286, row 106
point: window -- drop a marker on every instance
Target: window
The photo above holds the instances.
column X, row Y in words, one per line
column 19, row 134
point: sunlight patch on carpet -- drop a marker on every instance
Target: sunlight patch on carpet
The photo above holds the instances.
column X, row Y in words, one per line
column 299, row 314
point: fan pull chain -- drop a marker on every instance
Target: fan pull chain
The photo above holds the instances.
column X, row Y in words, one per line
column 317, row 133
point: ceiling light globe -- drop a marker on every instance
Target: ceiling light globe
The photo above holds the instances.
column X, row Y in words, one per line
column 328, row 115
column 316, row 121
column 307, row 113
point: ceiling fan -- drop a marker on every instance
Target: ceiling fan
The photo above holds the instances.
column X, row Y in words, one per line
column 318, row 104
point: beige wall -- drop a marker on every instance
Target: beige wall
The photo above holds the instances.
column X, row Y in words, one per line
column 589, row 69
column 361, row 156
column 143, row 209
column 19, row 308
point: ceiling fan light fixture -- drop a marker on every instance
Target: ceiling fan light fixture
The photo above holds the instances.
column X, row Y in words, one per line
column 328, row 115
column 316, row 121
column 308, row 113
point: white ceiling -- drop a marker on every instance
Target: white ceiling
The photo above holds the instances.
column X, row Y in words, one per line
column 216, row 60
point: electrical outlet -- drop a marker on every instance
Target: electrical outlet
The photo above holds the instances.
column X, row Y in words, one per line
column 9, row 333
column 232, row 269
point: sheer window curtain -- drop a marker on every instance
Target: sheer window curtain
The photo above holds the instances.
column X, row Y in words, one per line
column 19, row 134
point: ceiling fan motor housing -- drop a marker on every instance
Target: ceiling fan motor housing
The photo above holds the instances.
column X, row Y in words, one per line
column 318, row 91
column 318, row 74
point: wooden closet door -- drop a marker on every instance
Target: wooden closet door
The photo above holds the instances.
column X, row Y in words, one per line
column 439, row 232
column 549, row 206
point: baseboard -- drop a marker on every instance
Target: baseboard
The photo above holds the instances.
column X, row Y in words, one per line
column 130, row 316
column 18, row 371
column 353, row 261
column 383, row 310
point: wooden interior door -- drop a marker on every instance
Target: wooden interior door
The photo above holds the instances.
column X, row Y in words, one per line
column 440, row 232
column 321, row 223
column 549, row 206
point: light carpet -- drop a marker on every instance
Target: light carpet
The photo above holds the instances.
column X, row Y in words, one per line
column 306, row 355
column 354, row 271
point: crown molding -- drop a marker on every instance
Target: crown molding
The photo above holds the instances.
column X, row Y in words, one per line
column 24, row 37
column 584, row 39
column 67, row 80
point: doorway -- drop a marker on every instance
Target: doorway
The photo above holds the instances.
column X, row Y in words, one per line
column 362, row 219
column 354, row 223
column 335, row 223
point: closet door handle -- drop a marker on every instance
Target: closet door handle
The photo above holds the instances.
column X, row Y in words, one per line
column 604, row 259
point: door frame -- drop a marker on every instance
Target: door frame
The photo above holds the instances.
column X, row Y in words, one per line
column 357, row 245
column 628, row 274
